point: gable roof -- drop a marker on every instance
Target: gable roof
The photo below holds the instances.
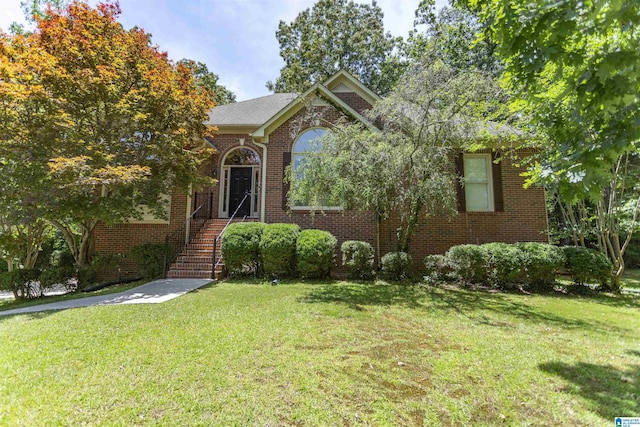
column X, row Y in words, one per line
column 297, row 104
column 253, row 112
column 260, row 116
column 344, row 79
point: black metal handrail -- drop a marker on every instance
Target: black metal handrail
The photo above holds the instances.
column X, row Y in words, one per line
column 218, row 238
column 178, row 240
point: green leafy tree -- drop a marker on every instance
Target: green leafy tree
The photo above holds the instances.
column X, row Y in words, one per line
column 455, row 35
column 573, row 65
column 209, row 80
column 334, row 35
column 406, row 168
column 99, row 120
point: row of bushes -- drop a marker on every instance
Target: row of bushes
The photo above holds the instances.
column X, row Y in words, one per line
column 278, row 250
column 283, row 250
column 29, row 283
column 520, row 264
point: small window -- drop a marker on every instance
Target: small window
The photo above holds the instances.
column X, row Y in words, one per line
column 478, row 186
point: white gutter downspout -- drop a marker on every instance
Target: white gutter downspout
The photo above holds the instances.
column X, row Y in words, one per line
column 263, row 186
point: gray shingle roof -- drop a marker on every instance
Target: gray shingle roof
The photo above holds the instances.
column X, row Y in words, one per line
column 251, row 112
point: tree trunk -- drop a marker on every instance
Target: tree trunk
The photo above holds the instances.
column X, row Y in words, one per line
column 86, row 242
column 407, row 229
column 79, row 246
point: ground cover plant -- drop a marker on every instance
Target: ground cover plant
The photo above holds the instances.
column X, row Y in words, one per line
column 326, row 353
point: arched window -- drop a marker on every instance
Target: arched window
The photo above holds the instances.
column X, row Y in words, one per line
column 309, row 140
column 242, row 157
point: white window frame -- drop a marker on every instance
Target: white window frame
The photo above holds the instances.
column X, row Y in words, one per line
column 293, row 162
column 489, row 163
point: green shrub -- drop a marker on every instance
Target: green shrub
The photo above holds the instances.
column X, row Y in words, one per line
column 541, row 261
column 470, row 262
column 505, row 264
column 585, row 265
column 278, row 249
column 396, row 265
column 316, row 253
column 438, row 268
column 22, row 282
column 358, row 257
column 58, row 276
column 149, row 257
column 61, row 258
column 241, row 248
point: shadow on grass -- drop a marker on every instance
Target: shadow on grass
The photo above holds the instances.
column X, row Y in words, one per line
column 36, row 315
column 613, row 392
column 477, row 306
column 356, row 295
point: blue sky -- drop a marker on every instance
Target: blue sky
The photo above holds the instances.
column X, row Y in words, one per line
column 235, row 38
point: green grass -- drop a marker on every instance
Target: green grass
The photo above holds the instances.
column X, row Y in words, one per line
column 239, row 354
column 10, row 304
column 631, row 279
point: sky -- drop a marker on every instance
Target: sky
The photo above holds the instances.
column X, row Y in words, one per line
column 235, row 38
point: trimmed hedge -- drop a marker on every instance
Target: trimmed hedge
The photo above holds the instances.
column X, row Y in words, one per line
column 316, row 253
column 470, row 262
column 542, row 261
column 241, row 248
column 150, row 259
column 505, row 263
column 499, row 264
column 358, row 257
column 439, row 268
column 584, row 265
column 278, row 248
column 396, row 265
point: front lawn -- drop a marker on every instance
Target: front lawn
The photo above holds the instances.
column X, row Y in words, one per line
column 326, row 354
column 631, row 279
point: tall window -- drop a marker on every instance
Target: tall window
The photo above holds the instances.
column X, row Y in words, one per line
column 478, row 186
column 307, row 142
column 304, row 144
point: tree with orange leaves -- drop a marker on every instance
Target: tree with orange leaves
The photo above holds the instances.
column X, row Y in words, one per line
column 94, row 122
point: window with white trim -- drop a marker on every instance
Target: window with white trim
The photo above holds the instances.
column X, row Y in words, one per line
column 308, row 141
column 478, row 183
column 305, row 143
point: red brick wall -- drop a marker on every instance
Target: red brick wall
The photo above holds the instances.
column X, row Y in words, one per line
column 523, row 219
column 354, row 101
column 121, row 238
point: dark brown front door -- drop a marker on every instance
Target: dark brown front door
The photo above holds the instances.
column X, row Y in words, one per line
column 239, row 185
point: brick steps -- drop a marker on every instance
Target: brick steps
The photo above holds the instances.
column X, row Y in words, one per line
column 196, row 260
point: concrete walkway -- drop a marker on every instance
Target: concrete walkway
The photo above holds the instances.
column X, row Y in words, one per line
column 150, row 293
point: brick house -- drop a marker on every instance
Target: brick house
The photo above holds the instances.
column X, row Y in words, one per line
column 258, row 138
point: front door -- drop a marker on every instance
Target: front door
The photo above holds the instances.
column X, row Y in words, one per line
column 239, row 185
